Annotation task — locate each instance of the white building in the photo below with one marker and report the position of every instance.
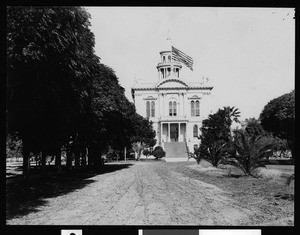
(172, 103)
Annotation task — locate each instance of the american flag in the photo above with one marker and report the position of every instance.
(181, 57)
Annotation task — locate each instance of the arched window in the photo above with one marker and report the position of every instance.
(152, 109)
(148, 108)
(164, 59)
(197, 108)
(169, 58)
(174, 108)
(192, 108)
(169, 71)
(195, 131)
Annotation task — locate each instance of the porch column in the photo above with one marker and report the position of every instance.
(183, 109)
(179, 138)
(169, 133)
(163, 105)
(161, 132)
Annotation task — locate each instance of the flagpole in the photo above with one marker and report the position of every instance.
(171, 62)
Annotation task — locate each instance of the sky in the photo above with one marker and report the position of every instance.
(248, 54)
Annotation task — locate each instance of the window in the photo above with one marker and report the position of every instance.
(152, 109)
(174, 108)
(148, 108)
(169, 58)
(170, 109)
(197, 108)
(164, 59)
(195, 131)
(192, 108)
(169, 71)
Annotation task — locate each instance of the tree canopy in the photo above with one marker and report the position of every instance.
(278, 117)
(58, 92)
(50, 61)
(217, 126)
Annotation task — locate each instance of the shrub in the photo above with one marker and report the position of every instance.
(196, 155)
(213, 152)
(251, 151)
(147, 152)
(158, 152)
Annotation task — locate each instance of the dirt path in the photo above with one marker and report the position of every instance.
(146, 193)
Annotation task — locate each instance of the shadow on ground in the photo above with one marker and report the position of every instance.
(24, 196)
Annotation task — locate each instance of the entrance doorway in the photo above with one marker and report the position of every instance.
(174, 132)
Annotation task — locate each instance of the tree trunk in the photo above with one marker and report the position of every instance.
(77, 158)
(90, 157)
(293, 151)
(291, 144)
(26, 158)
(97, 159)
(58, 160)
(69, 159)
(83, 157)
(43, 162)
(125, 153)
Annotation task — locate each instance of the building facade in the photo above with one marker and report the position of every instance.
(172, 104)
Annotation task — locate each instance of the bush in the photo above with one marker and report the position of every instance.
(159, 152)
(147, 152)
(213, 152)
(251, 151)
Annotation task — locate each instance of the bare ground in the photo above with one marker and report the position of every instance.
(160, 193)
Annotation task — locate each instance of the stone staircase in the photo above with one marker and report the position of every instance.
(175, 151)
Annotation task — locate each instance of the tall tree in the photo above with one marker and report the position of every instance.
(113, 119)
(216, 134)
(50, 64)
(217, 126)
(278, 117)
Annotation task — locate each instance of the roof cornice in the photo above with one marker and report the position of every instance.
(170, 88)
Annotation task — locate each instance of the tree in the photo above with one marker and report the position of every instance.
(143, 130)
(253, 127)
(251, 151)
(278, 117)
(232, 114)
(216, 134)
(138, 148)
(147, 152)
(50, 63)
(217, 126)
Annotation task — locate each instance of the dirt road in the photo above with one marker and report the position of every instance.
(146, 193)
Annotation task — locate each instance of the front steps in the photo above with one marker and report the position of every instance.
(176, 152)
